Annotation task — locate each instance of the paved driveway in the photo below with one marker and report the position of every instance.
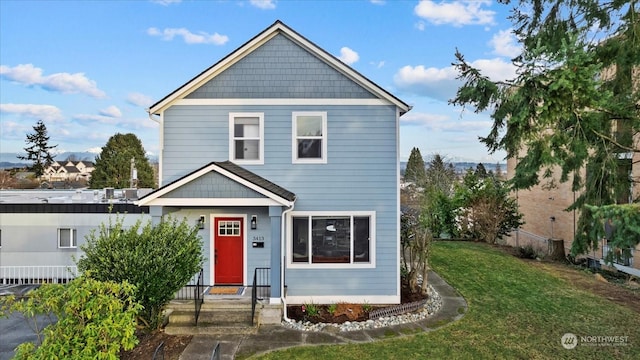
(15, 330)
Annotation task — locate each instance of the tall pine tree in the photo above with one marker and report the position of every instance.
(415, 170)
(39, 150)
(113, 165)
(576, 88)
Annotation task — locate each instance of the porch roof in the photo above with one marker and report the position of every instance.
(268, 193)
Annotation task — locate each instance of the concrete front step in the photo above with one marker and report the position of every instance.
(208, 317)
(210, 330)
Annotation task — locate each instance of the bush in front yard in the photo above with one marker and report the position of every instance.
(158, 260)
(91, 320)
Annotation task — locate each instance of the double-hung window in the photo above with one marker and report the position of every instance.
(309, 138)
(67, 238)
(246, 138)
(339, 239)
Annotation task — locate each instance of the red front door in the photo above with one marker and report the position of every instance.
(228, 251)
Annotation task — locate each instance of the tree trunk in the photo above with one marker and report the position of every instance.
(556, 249)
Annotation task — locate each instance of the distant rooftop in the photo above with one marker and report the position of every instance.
(73, 196)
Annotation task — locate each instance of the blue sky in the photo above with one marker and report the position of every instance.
(89, 69)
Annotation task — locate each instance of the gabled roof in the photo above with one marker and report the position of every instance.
(276, 28)
(274, 194)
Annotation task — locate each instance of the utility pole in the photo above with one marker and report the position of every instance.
(134, 174)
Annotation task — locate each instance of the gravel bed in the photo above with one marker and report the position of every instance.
(433, 304)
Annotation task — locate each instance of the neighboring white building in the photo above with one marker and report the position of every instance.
(41, 231)
(68, 171)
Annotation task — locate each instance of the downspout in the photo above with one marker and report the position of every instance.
(283, 263)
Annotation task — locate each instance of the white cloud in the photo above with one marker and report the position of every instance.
(348, 56)
(504, 43)
(496, 69)
(264, 4)
(35, 111)
(432, 82)
(139, 99)
(377, 2)
(190, 38)
(441, 83)
(99, 118)
(111, 111)
(66, 83)
(94, 150)
(166, 2)
(420, 25)
(443, 123)
(456, 13)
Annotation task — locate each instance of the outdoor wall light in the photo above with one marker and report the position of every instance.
(201, 222)
(254, 222)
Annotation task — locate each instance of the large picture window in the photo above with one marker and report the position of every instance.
(332, 238)
(309, 137)
(246, 138)
(66, 238)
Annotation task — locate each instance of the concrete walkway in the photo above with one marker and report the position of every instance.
(274, 337)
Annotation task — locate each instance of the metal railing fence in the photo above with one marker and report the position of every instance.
(260, 288)
(30, 275)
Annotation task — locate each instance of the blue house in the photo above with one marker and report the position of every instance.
(288, 158)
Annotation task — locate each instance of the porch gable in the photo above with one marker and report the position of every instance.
(219, 184)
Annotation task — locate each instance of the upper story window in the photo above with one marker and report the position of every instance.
(246, 138)
(67, 238)
(309, 138)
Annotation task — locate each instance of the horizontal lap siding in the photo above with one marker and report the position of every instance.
(39, 244)
(361, 175)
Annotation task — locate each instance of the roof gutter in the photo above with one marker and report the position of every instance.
(152, 118)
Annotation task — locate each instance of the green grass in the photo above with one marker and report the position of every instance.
(515, 311)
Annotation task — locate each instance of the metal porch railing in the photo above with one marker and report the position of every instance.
(198, 295)
(260, 288)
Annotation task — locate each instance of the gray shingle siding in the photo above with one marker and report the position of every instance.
(281, 69)
(213, 185)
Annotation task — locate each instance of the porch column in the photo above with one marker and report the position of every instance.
(275, 215)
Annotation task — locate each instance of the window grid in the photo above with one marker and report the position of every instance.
(229, 228)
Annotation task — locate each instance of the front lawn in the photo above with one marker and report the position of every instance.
(517, 309)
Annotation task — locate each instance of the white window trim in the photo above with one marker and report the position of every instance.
(232, 116)
(294, 138)
(372, 242)
(73, 242)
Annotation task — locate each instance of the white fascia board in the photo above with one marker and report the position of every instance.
(266, 102)
(212, 202)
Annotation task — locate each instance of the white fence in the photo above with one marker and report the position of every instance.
(27, 275)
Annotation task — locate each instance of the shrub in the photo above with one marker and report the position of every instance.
(311, 309)
(158, 260)
(527, 252)
(95, 320)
